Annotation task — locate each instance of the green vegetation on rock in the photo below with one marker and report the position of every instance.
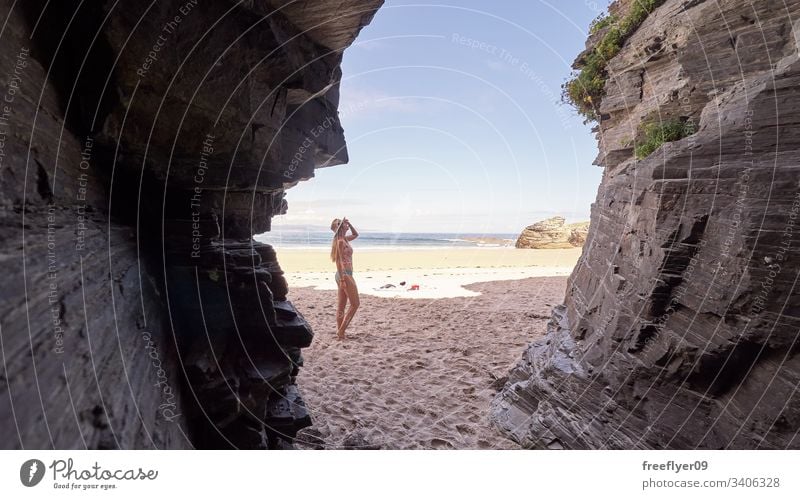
(585, 89)
(602, 21)
(657, 133)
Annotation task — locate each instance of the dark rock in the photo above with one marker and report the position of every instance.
(680, 319)
(130, 189)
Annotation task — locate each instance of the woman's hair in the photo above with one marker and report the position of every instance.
(335, 226)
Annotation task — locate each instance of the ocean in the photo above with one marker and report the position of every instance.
(387, 240)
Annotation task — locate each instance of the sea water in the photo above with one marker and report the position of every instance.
(303, 239)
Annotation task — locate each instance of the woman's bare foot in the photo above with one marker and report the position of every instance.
(340, 334)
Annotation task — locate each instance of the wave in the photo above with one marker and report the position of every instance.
(386, 241)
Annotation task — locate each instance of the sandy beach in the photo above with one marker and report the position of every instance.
(437, 273)
(420, 373)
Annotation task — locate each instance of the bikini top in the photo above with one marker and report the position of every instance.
(347, 254)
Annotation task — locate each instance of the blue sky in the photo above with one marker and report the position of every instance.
(453, 120)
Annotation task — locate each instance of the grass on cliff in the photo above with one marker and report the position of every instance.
(584, 90)
(657, 133)
(602, 21)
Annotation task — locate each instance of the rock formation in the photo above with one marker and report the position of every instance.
(553, 233)
(679, 327)
(141, 146)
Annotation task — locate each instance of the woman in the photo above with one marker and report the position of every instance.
(342, 255)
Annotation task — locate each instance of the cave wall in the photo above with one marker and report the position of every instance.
(142, 147)
(680, 323)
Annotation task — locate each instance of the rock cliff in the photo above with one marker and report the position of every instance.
(553, 233)
(679, 327)
(141, 146)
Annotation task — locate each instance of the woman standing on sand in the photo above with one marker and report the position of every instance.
(342, 255)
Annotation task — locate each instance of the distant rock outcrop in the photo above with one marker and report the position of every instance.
(553, 233)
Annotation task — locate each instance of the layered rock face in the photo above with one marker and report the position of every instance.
(553, 233)
(680, 324)
(142, 147)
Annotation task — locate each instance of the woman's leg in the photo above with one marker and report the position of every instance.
(352, 295)
(341, 303)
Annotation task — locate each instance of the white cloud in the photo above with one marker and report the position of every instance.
(369, 45)
(495, 65)
(358, 102)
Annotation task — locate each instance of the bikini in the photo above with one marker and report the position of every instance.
(338, 277)
(347, 259)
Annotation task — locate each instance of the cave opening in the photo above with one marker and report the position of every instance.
(456, 145)
(171, 171)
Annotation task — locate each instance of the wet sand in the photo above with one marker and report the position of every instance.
(426, 273)
(318, 260)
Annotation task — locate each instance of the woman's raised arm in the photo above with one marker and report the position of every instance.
(353, 231)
